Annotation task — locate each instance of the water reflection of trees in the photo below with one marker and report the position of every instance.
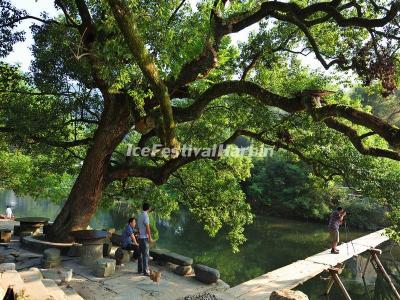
(27, 207)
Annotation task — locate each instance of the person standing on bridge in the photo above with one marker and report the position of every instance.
(335, 220)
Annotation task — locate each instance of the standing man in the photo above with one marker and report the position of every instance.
(128, 238)
(144, 240)
(335, 221)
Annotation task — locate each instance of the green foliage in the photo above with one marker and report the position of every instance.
(365, 213)
(59, 100)
(212, 194)
(282, 187)
(8, 34)
(26, 175)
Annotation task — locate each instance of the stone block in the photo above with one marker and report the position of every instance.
(287, 294)
(7, 267)
(123, 256)
(104, 267)
(5, 235)
(183, 270)
(178, 259)
(51, 253)
(206, 274)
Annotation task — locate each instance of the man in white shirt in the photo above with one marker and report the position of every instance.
(144, 240)
(9, 214)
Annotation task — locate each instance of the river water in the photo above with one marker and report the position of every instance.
(271, 243)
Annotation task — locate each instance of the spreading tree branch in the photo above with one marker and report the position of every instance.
(128, 27)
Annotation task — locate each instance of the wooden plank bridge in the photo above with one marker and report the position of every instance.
(290, 276)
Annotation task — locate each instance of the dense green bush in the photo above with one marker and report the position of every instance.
(364, 212)
(283, 187)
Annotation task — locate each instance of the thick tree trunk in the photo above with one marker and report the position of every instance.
(87, 190)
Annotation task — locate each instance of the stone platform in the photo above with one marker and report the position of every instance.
(124, 284)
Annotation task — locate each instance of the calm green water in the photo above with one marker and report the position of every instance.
(272, 243)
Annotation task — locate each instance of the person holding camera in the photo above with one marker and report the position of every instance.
(335, 220)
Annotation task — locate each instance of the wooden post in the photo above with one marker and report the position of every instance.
(380, 267)
(329, 286)
(339, 267)
(335, 276)
(366, 265)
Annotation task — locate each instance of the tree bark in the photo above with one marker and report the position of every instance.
(87, 190)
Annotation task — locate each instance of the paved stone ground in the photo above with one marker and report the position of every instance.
(124, 284)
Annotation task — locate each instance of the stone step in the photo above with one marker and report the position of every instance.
(34, 288)
(11, 278)
(53, 277)
(54, 290)
(70, 293)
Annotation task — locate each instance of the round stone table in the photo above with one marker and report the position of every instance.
(32, 224)
(92, 244)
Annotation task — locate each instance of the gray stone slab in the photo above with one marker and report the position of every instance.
(206, 274)
(158, 254)
(178, 259)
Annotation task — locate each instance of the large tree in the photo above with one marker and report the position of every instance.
(108, 73)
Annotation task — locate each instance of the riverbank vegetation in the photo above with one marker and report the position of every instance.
(282, 186)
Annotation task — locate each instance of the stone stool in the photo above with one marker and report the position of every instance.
(123, 256)
(92, 245)
(206, 274)
(104, 267)
(90, 253)
(183, 270)
(5, 235)
(51, 258)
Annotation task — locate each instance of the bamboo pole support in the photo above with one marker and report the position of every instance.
(329, 286)
(339, 268)
(335, 276)
(385, 275)
(366, 265)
